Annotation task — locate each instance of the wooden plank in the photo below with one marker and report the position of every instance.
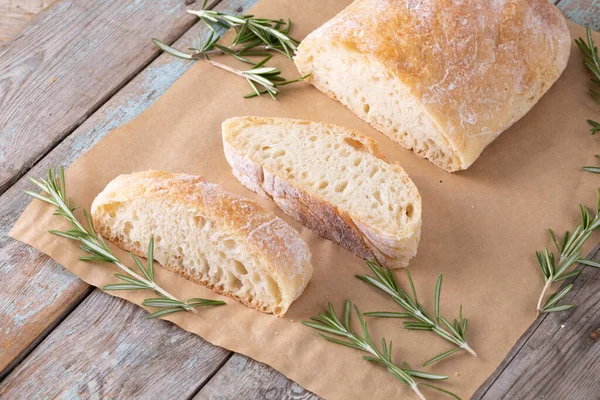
(15, 14)
(244, 378)
(583, 12)
(35, 292)
(555, 358)
(62, 67)
(108, 349)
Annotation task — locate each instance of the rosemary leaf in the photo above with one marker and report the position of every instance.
(420, 318)
(164, 311)
(54, 192)
(388, 314)
(124, 286)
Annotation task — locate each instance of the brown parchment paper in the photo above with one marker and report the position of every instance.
(481, 227)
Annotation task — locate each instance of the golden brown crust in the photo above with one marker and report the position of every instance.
(476, 67)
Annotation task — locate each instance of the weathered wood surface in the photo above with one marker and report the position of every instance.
(59, 70)
(244, 378)
(15, 14)
(583, 12)
(238, 374)
(35, 292)
(108, 349)
(556, 358)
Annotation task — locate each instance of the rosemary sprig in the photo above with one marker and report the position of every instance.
(93, 244)
(419, 317)
(251, 31)
(254, 37)
(592, 61)
(569, 254)
(344, 335)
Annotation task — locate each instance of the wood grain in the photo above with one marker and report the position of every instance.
(35, 292)
(15, 14)
(108, 349)
(555, 358)
(583, 12)
(61, 68)
(244, 378)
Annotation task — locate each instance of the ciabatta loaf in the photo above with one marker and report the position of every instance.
(332, 180)
(207, 235)
(441, 77)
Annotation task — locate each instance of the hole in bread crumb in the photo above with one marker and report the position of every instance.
(265, 148)
(341, 186)
(229, 244)
(221, 254)
(366, 108)
(323, 185)
(276, 310)
(279, 153)
(255, 278)
(112, 214)
(312, 138)
(239, 267)
(374, 170)
(377, 196)
(234, 282)
(409, 211)
(273, 289)
(157, 239)
(357, 162)
(134, 216)
(127, 228)
(199, 221)
(357, 145)
(218, 274)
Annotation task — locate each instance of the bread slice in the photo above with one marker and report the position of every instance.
(212, 237)
(332, 180)
(441, 77)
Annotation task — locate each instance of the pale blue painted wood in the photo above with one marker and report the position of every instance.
(34, 290)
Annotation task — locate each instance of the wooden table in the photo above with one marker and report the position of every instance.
(82, 68)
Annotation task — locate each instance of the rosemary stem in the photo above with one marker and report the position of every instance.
(233, 48)
(268, 85)
(227, 68)
(542, 295)
(468, 348)
(417, 391)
